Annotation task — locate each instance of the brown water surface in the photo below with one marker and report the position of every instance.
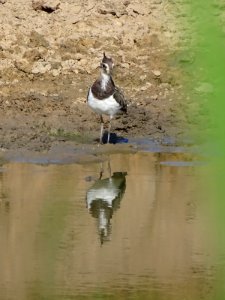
(68, 233)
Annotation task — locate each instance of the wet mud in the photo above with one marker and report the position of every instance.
(49, 58)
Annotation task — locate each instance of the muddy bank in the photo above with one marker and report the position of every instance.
(50, 51)
(70, 152)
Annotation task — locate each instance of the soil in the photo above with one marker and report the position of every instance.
(50, 53)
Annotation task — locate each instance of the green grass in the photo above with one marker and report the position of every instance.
(209, 67)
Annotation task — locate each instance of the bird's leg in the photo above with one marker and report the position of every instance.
(101, 130)
(101, 171)
(109, 168)
(109, 129)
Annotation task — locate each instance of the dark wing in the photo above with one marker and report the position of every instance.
(119, 97)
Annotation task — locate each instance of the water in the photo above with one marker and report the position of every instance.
(72, 232)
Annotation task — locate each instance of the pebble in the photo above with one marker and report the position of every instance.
(137, 8)
(68, 64)
(78, 56)
(125, 65)
(154, 97)
(157, 73)
(55, 72)
(40, 68)
(143, 77)
(143, 88)
(47, 5)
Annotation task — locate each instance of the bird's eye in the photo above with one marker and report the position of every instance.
(104, 66)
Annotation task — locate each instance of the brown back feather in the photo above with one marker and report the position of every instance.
(119, 97)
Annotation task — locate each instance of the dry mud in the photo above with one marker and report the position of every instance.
(50, 52)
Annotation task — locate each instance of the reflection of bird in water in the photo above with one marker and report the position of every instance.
(104, 197)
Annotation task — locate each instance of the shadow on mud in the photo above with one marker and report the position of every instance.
(113, 139)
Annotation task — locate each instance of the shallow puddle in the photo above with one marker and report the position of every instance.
(73, 232)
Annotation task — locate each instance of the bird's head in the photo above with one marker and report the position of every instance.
(106, 64)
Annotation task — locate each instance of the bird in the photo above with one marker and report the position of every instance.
(104, 97)
(103, 199)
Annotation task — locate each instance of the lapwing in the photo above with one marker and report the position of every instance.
(104, 97)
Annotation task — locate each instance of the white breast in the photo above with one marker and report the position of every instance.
(107, 106)
(104, 81)
(106, 194)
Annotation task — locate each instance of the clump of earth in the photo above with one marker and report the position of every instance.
(50, 52)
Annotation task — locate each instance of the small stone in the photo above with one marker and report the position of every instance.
(23, 65)
(55, 72)
(126, 2)
(40, 67)
(139, 9)
(125, 65)
(77, 9)
(78, 56)
(37, 4)
(110, 8)
(51, 5)
(48, 6)
(143, 77)
(154, 97)
(68, 64)
(32, 55)
(157, 73)
(143, 88)
(75, 19)
(83, 62)
(146, 86)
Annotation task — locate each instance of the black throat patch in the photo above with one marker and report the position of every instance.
(100, 93)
